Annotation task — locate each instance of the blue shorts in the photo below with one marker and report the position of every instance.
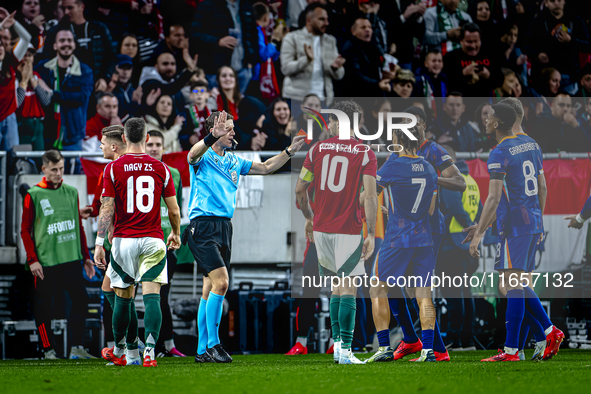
(392, 263)
(517, 253)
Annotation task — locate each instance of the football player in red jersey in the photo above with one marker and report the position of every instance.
(342, 167)
(133, 187)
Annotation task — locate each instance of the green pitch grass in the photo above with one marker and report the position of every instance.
(569, 372)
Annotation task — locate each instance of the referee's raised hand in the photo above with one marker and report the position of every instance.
(219, 125)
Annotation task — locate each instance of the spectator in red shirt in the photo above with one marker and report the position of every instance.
(107, 109)
(8, 103)
(32, 95)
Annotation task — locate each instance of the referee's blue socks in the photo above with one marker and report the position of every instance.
(214, 309)
(202, 326)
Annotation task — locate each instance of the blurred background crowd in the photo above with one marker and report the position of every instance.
(69, 68)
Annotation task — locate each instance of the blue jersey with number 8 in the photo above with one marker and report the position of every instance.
(516, 162)
(410, 182)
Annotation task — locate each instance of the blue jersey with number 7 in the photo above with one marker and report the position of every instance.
(410, 182)
(516, 162)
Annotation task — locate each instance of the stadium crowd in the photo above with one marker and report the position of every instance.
(72, 67)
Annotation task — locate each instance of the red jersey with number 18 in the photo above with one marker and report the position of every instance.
(338, 167)
(137, 182)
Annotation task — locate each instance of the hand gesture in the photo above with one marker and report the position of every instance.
(572, 224)
(100, 85)
(116, 120)
(26, 70)
(571, 120)
(99, 257)
(309, 230)
(219, 125)
(309, 51)
(368, 246)
(39, 21)
(297, 143)
(483, 73)
(470, 230)
(454, 34)
(445, 138)
(470, 69)
(338, 62)
(228, 42)
(85, 212)
(37, 270)
(385, 211)
(258, 141)
(7, 19)
(112, 83)
(411, 10)
(89, 268)
(137, 95)
(152, 97)
(475, 245)
(191, 61)
(179, 120)
(384, 84)
(173, 242)
(278, 33)
(563, 36)
(521, 60)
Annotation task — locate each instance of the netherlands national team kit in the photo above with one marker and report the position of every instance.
(517, 162)
(411, 182)
(438, 157)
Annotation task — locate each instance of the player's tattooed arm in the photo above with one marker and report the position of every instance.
(451, 179)
(106, 216)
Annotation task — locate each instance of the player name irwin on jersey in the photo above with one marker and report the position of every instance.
(137, 167)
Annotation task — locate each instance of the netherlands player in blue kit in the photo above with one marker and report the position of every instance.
(450, 179)
(513, 198)
(408, 245)
(548, 338)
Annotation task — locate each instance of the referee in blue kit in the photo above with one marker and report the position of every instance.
(215, 172)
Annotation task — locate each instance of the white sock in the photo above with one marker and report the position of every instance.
(133, 353)
(511, 350)
(303, 341)
(111, 344)
(119, 351)
(548, 330)
(346, 352)
(169, 345)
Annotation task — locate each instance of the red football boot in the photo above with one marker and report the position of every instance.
(442, 356)
(148, 362)
(330, 350)
(502, 356)
(108, 355)
(297, 349)
(404, 349)
(553, 341)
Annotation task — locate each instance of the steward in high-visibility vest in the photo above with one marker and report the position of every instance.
(55, 244)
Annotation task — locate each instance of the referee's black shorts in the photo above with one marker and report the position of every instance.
(210, 240)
